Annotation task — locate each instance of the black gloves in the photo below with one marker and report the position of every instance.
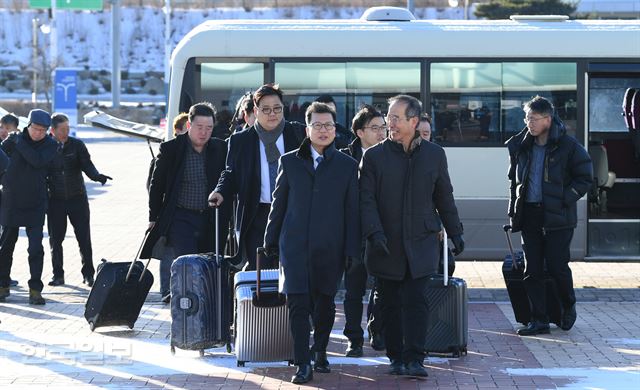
(378, 244)
(458, 243)
(103, 178)
(352, 264)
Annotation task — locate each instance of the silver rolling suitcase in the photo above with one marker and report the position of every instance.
(447, 325)
(262, 319)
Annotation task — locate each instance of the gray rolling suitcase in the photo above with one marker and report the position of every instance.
(199, 299)
(447, 325)
(262, 319)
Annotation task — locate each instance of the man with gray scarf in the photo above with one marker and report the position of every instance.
(252, 166)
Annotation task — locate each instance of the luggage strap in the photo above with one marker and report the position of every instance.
(126, 279)
(507, 231)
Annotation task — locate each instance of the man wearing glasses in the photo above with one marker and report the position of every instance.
(252, 166)
(549, 171)
(369, 128)
(404, 181)
(314, 226)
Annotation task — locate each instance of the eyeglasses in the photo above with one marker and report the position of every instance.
(377, 129)
(533, 120)
(269, 110)
(395, 119)
(329, 126)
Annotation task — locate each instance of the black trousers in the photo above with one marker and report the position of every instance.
(8, 240)
(323, 315)
(77, 211)
(355, 284)
(188, 232)
(550, 249)
(254, 237)
(405, 314)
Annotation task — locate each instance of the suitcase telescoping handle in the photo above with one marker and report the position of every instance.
(507, 231)
(445, 257)
(260, 253)
(126, 279)
(219, 264)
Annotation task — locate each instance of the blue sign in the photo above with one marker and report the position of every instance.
(65, 97)
(65, 90)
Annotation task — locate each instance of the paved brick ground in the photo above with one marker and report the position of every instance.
(52, 345)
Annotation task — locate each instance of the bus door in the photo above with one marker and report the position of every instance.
(614, 202)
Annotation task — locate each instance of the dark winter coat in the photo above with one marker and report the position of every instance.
(24, 185)
(567, 176)
(314, 220)
(399, 195)
(242, 174)
(166, 183)
(354, 149)
(65, 172)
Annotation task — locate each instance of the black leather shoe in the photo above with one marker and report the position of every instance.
(321, 364)
(88, 280)
(396, 368)
(415, 368)
(57, 281)
(354, 349)
(569, 318)
(534, 328)
(304, 374)
(13, 283)
(377, 342)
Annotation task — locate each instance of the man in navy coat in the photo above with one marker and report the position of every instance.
(24, 199)
(252, 165)
(314, 226)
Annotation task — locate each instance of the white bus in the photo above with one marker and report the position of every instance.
(472, 77)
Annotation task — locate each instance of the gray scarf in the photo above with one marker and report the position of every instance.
(269, 138)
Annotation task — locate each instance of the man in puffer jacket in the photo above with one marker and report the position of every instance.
(549, 171)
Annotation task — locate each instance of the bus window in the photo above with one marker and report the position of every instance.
(223, 83)
(351, 84)
(482, 102)
(605, 97)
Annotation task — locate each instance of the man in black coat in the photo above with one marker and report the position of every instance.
(187, 169)
(24, 199)
(549, 172)
(369, 128)
(403, 183)
(313, 225)
(68, 199)
(252, 165)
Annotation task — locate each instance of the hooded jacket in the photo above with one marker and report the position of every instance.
(567, 175)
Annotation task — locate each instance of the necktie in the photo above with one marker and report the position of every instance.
(319, 159)
(273, 173)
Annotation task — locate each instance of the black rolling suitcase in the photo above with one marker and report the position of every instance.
(118, 293)
(448, 324)
(513, 274)
(199, 301)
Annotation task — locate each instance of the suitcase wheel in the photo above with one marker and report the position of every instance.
(229, 348)
(240, 364)
(202, 353)
(131, 324)
(289, 362)
(173, 350)
(92, 326)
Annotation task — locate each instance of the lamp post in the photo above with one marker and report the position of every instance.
(37, 27)
(34, 26)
